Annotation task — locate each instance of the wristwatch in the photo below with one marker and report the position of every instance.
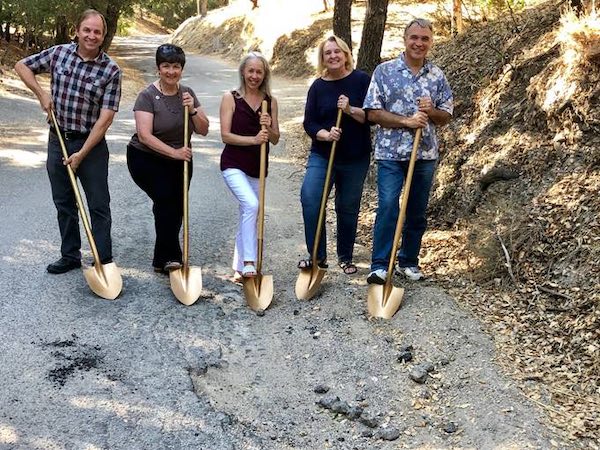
(194, 113)
(351, 110)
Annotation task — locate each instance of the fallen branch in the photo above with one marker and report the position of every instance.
(555, 293)
(507, 258)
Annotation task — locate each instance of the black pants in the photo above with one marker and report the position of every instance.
(93, 174)
(162, 180)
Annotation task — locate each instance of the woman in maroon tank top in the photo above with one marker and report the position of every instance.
(241, 123)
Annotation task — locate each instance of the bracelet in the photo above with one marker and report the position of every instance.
(194, 113)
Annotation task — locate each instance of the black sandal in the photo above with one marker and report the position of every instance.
(307, 264)
(348, 267)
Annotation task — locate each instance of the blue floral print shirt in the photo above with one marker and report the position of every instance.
(394, 88)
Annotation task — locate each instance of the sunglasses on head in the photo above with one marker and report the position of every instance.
(169, 49)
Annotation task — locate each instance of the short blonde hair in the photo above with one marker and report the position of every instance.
(321, 69)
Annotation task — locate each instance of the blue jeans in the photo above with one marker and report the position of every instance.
(390, 179)
(348, 178)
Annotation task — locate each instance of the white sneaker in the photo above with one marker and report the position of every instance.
(377, 276)
(412, 273)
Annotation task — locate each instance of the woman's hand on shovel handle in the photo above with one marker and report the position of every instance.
(261, 137)
(335, 134)
(265, 120)
(182, 154)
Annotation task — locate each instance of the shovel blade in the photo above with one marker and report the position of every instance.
(186, 284)
(258, 291)
(308, 283)
(104, 280)
(380, 306)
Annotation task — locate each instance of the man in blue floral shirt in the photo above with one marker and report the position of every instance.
(405, 94)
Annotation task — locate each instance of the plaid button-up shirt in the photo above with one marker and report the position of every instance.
(80, 89)
(394, 88)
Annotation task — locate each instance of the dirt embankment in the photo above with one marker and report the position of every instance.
(515, 209)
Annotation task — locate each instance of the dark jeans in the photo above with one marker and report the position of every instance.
(348, 179)
(162, 180)
(390, 179)
(93, 174)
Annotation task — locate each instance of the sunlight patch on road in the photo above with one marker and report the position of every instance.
(29, 252)
(23, 158)
(8, 434)
(151, 415)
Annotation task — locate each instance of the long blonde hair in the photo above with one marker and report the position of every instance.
(265, 86)
(321, 69)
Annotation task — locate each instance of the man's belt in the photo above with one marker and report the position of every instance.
(70, 135)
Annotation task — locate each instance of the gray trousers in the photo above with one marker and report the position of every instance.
(93, 175)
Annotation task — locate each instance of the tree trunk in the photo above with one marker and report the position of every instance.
(113, 11)
(203, 8)
(342, 10)
(457, 22)
(326, 5)
(369, 54)
(61, 30)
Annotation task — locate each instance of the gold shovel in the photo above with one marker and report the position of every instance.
(103, 279)
(309, 279)
(384, 300)
(258, 290)
(186, 282)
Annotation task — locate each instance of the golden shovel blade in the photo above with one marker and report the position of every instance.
(258, 291)
(309, 282)
(104, 280)
(379, 306)
(186, 284)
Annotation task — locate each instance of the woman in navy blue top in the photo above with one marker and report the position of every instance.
(338, 86)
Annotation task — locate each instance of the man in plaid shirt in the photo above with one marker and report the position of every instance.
(85, 94)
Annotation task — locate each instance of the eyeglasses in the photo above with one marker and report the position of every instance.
(169, 49)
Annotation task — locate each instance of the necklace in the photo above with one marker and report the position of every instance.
(173, 103)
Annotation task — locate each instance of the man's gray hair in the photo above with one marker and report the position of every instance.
(423, 23)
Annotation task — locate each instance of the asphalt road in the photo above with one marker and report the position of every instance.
(144, 372)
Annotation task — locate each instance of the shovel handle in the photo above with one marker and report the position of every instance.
(402, 216)
(84, 217)
(261, 196)
(317, 240)
(186, 185)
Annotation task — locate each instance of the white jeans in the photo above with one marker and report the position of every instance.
(245, 190)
